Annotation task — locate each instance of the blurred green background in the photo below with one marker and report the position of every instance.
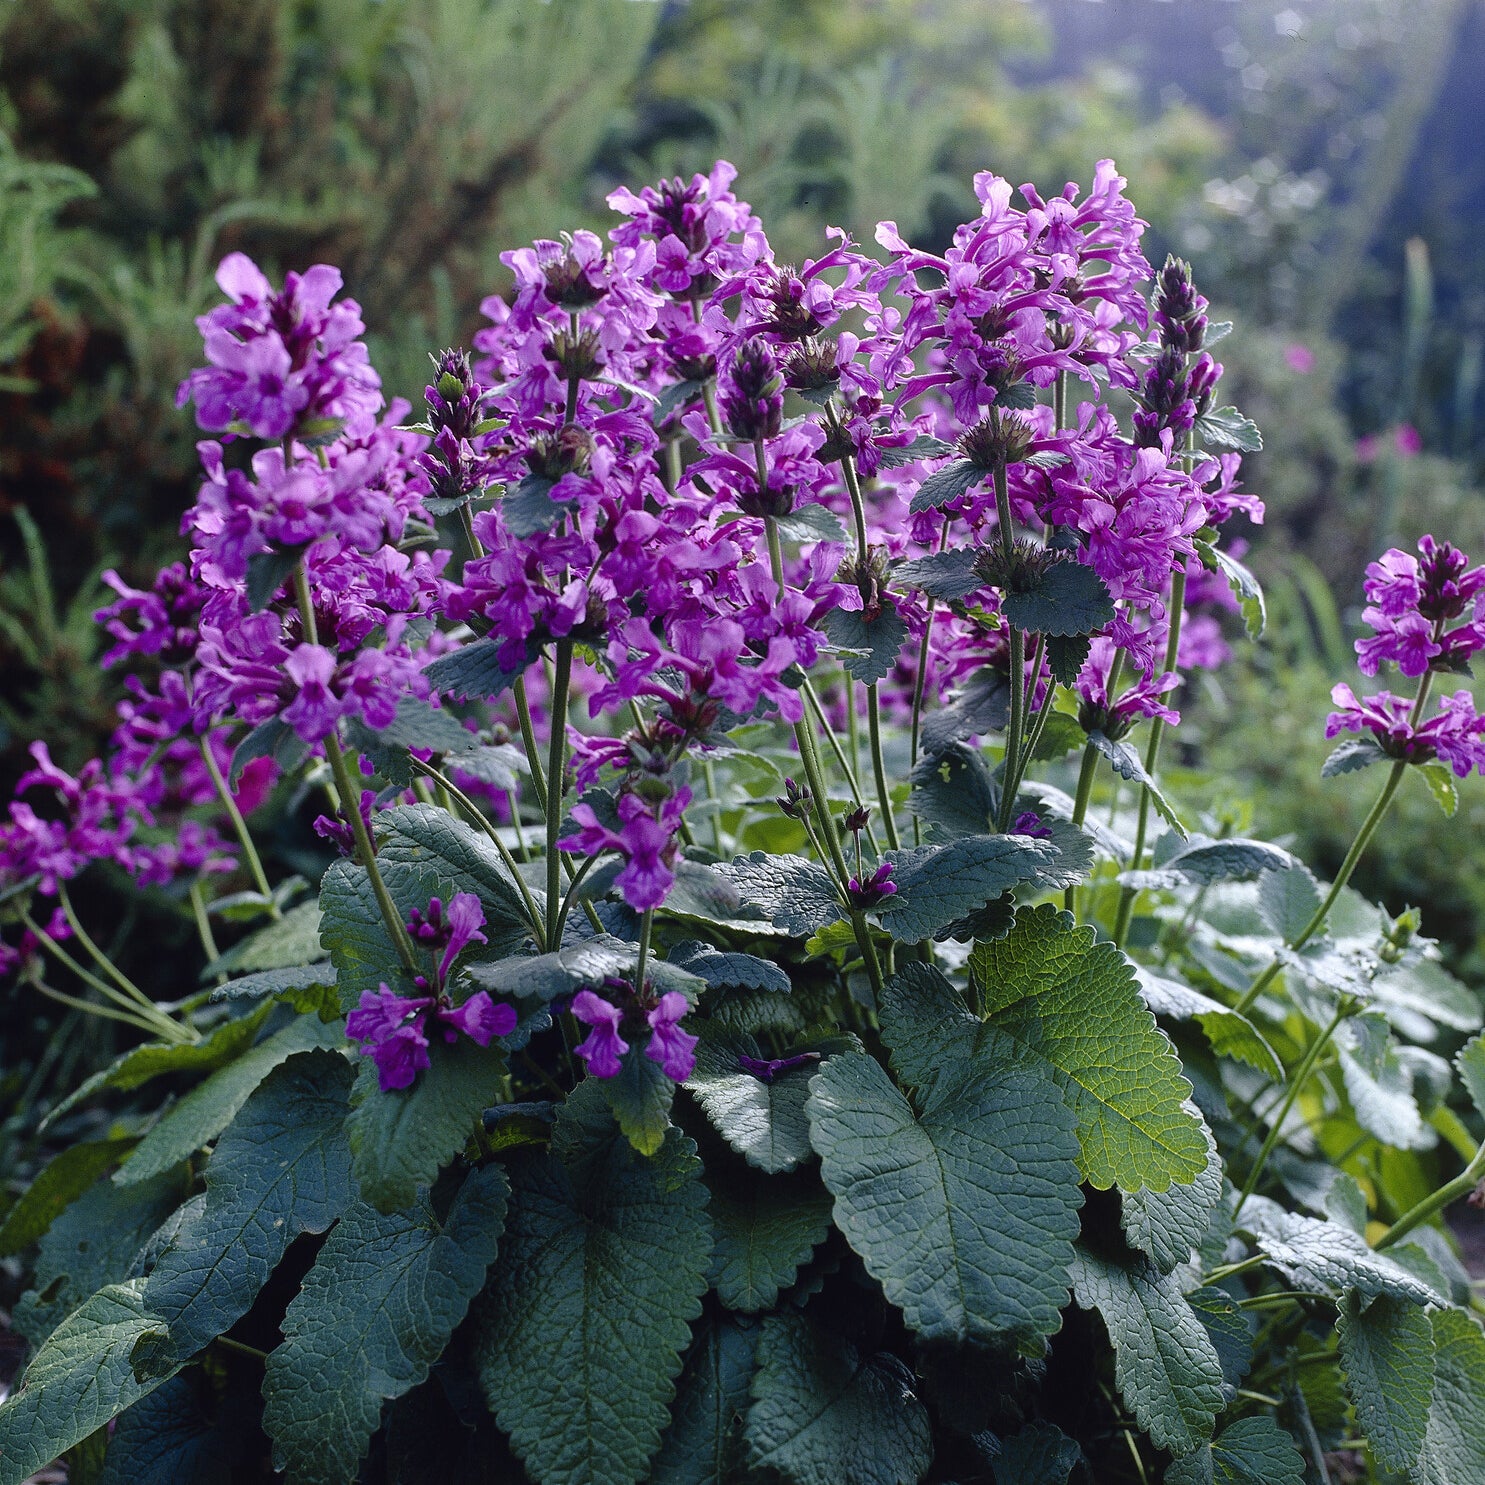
(1317, 160)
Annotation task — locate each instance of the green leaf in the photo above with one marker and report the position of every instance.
(947, 484)
(796, 895)
(708, 897)
(824, 1412)
(964, 1211)
(1287, 899)
(981, 705)
(1252, 1451)
(1067, 599)
(60, 1182)
(1425, 989)
(924, 446)
(1248, 591)
(211, 1106)
(1387, 1355)
(1041, 1454)
(1351, 755)
(1066, 656)
(942, 575)
(703, 1445)
(1440, 780)
(500, 765)
(1165, 1364)
(427, 838)
(1324, 1257)
(169, 1437)
(1454, 1445)
(376, 1311)
(267, 572)
(939, 884)
(94, 1242)
(291, 940)
(765, 1228)
(280, 984)
(879, 640)
(1206, 862)
(812, 523)
(416, 725)
(727, 970)
(545, 977)
(82, 1376)
(274, 739)
(1231, 1332)
(529, 508)
(639, 1097)
(1470, 1063)
(1227, 428)
(1229, 1033)
(1379, 1083)
(602, 1269)
(1071, 1005)
(954, 792)
(473, 672)
(1060, 736)
(1126, 763)
(401, 1137)
(281, 1168)
(1168, 1224)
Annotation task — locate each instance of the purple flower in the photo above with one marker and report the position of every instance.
(645, 838)
(1455, 734)
(479, 1018)
(875, 890)
(672, 1048)
(1412, 603)
(1028, 822)
(604, 1047)
(766, 1069)
(392, 1029)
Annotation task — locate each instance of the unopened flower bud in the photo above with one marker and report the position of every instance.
(753, 393)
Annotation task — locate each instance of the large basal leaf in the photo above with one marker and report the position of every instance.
(1206, 862)
(354, 933)
(1252, 1451)
(1454, 1444)
(61, 1181)
(292, 939)
(401, 1137)
(964, 1211)
(1230, 1034)
(281, 1168)
(601, 1272)
(82, 1376)
(703, 1445)
(1165, 1364)
(981, 705)
(1231, 1331)
(1072, 1005)
(180, 1435)
(1040, 1454)
(1287, 899)
(377, 1309)
(825, 1412)
(765, 1227)
(211, 1106)
(546, 977)
(721, 970)
(872, 645)
(1168, 1224)
(954, 792)
(1387, 1355)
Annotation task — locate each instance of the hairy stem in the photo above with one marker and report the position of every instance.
(556, 765)
(239, 827)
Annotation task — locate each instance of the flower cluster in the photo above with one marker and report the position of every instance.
(1413, 604)
(604, 1048)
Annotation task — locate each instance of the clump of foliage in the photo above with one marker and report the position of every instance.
(764, 1070)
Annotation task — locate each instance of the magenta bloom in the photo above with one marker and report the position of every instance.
(392, 1029)
(603, 1048)
(1455, 735)
(1411, 604)
(479, 1018)
(672, 1048)
(645, 838)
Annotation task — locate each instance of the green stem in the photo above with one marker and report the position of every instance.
(349, 796)
(646, 923)
(878, 766)
(556, 765)
(1038, 722)
(466, 520)
(570, 894)
(92, 1008)
(239, 827)
(478, 816)
(97, 955)
(1017, 639)
(813, 700)
(1461, 1185)
(203, 928)
(528, 739)
(1086, 770)
(1296, 1085)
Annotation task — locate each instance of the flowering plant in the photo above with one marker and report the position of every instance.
(717, 1048)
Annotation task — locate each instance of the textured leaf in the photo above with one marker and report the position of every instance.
(796, 895)
(924, 446)
(281, 1168)
(60, 1182)
(1353, 754)
(1208, 861)
(1287, 899)
(1041, 1454)
(95, 1242)
(939, 884)
(278, 983)
(812, 523)
(1470, 1062)
(1066, 656)
(954, 792)
(82, 1376)
(602, 1269)
(824, 1413)
(708, 896)
(763, 1119)
(1227, 428)
(376, 1311)
(1425, 989)
(726, 970)
(1168, 1224)
(529, 507)
(416, 725)
(168, 1438)
(982, 704)
(965, 1212)
(1165, 1363)
(1127, 765)
(290, 940)
(1252, 1451)
(1454, 1445)
(1071, 1005)
(1387, 1355)
(400, 1139)
(703, 1445)
(943, 575)
(211, 1106)
(353, 931)
(881, 639)
(274, 739)
(500, 765)
(1379, 1083)
(765, 1227)
(1069, 598)
(1230, 1034)
(1231, 1331)
(473, 672)
(947, 484)
(545, 977)
(1324, 1257)
(1440, 780)
(640, 1097)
